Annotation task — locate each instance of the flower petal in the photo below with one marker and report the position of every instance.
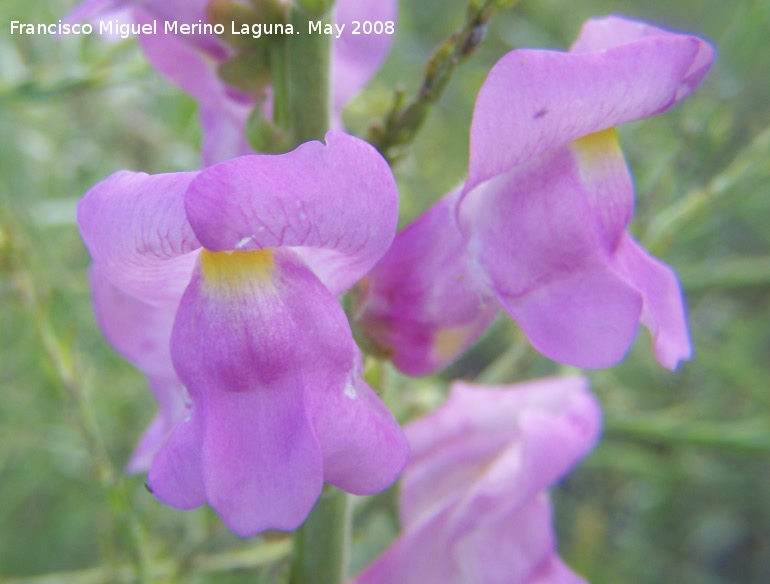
(149, 445)
(604, 33)
(586, 320)
(141, 333)
(515, 548)
(364, 449)
(176, 473)
(545, 235)
(557, 426)
(534, 101)
(419, 556)
(336, 203)
(136, 230)
(422, 303)
(438, 478)
(511, 548)
(663, 311)
(532, 432)
(185, 65)
(170, 396)
(262, 462)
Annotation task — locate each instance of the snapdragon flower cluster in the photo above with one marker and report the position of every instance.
(221, 286)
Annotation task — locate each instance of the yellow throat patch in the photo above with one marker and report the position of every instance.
(232, 271)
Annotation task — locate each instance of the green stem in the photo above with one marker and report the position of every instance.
(309, 92)
(321, 544)
(404, 120)
(508, 365)
(264, 554)
(747, 435)
(725, 274)
(281, 116)
(749, 164)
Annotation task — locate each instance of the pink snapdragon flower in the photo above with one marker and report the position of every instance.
(190, 62)
(240, 265)
(539, 227)
(474, 504)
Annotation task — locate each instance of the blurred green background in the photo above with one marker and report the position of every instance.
(678, 490)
